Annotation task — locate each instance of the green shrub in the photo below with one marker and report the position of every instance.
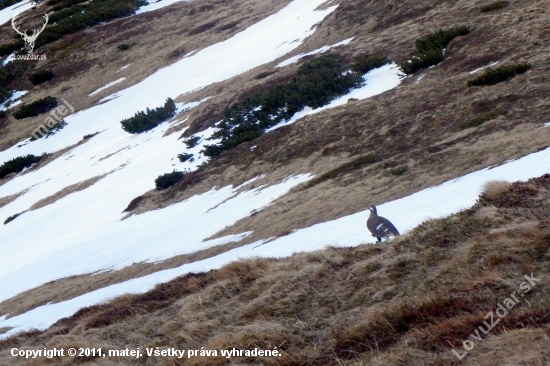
(16, 165)
(440, 39)
(264, 74)
(41, 77)
(168, 180)
(124, 47)
(430, 49)
(7, 3)
(192, 141)
(62, 13)
(497, 5)
(356, 163)
(317, 82)
(73, 20)
(422, 61)
(499, 74)
(5, 94)
(151, 118)
(13, 70)
(3, 114)
(51, 131)
(9, 48)
(228, 26)
(399, 170)
(474, 122)
(35, 108)
(13, 217)
(184, 157)
(364, 64)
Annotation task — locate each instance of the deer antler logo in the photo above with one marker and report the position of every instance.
(29, 40)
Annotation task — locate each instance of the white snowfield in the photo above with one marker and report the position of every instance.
(7, 13)
(405, 213)
(82, 233)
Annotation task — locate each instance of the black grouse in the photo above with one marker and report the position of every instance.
(380, 227)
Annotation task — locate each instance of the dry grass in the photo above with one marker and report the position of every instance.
(9, 199)
(429, 114)
(495, 188)
(408, 301)
(66, 191)
(295, 304)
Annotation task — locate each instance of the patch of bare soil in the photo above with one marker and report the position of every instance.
(408, 301)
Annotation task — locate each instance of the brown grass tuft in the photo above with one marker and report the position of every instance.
(495, 188)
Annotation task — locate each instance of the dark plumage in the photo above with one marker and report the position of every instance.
(380, 227)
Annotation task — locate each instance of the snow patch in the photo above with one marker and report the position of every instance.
(377, 81)
(106, 86)
(319, 50)
(484, 67)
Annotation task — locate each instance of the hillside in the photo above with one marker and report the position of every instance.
(409, 301)
(199, 133)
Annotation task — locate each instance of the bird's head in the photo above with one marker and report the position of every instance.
(372, 209)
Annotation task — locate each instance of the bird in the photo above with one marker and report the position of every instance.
(380, 227)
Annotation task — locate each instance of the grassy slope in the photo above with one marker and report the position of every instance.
(414, 125)
(396, 303)
(417, 125)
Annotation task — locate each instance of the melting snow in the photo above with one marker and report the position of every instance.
(7, 13)
(319, 50)
(405, 213)
(122, 68)
(377, 81)
(12, 101)
(155, 5)
(83, 232)
(484, 67)
(107, 86)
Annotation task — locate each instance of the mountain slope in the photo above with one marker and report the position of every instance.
(86, 222)
(412, 300)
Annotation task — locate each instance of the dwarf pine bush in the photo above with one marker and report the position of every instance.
(482, 118)
(35, 108)
(184, 157)
(41, 77)
(168, 180)
(72, 16)
(124, 47)
(430, 49)
(13, 70)
(364, 64)
(192, 141)
(151, 118)
(317, 82)
(8, 48)
(13, 217)
(499, 74)
(16, 165)
(497, 5)
(7, 3)
(5, 94)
